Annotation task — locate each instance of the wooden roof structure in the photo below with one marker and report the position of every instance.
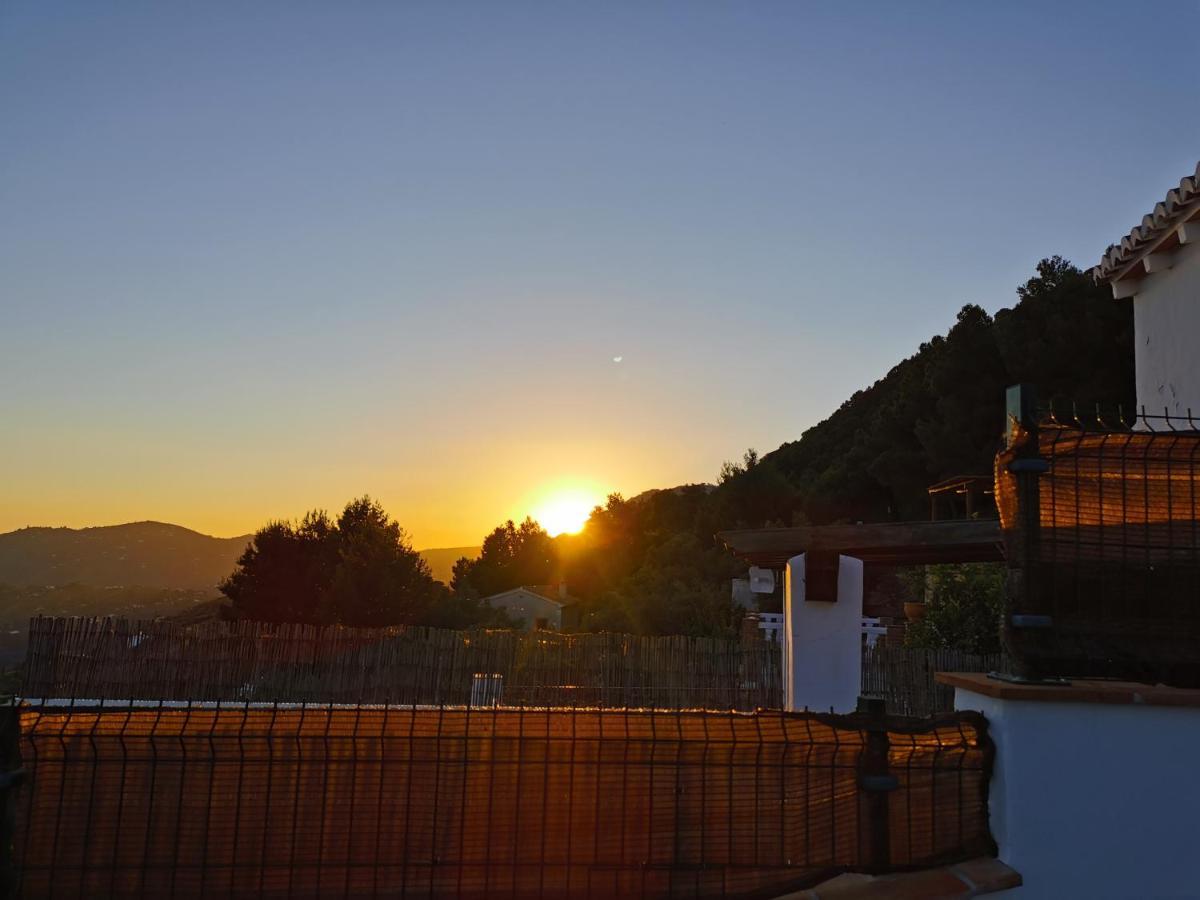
(891, 543)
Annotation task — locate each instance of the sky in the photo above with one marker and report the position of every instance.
(466, 258)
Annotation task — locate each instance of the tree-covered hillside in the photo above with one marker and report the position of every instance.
(940, 412)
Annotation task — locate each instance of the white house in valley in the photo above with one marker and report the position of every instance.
(1157, 265)
(540, 607)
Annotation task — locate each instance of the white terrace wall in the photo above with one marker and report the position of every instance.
(1094, 800)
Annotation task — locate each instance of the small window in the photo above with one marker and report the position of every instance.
(541, 624)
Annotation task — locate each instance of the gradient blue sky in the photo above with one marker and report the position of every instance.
(263, 257)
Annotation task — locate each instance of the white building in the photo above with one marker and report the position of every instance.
(540, 607)
(1157, 265)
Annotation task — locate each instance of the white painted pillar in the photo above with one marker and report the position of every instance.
(822, 642)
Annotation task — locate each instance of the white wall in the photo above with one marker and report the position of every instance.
(1094, 800)
(822, 647)
(1166, 323)
(528, 606)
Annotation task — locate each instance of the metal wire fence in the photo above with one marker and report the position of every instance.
(157, 799)
(1102, 523)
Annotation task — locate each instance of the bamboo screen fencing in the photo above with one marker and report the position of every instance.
(280, 800)
(903, 677)
(116, 659)
(119, 659)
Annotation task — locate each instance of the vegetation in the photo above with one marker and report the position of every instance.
(150, 554)
(939, 413)
(358, 570)
(511, 556)
(964, 605)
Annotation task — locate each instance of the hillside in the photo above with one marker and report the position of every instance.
(151, 554)
(147, 554)
(941, 411)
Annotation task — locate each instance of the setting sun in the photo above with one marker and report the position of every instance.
(565, 512)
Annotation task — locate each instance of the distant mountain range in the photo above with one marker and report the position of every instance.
(146, 554)
(442, 559)
(150, 554)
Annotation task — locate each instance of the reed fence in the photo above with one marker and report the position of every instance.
(903, 676)
(105, 659)
(115, 659)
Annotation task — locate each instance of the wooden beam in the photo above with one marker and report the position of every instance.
(1123, 290)
(898, 543)
(821, 577)
(1158, 262)
(1189, 232)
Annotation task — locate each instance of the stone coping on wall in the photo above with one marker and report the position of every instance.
(1083, 690)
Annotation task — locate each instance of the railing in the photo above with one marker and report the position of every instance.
(1102, 528)
(153, 799)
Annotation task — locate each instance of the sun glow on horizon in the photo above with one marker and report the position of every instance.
(564, 512)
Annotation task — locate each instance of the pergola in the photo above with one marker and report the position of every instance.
(888, 544)
(892, 543)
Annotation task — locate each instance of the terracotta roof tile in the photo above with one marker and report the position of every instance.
(1178, 206)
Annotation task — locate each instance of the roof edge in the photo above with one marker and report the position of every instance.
(1121, 259)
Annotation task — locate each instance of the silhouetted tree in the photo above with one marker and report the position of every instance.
(360, 570)
(511, 556)
(286, 572)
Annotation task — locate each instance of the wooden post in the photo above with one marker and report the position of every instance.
(876, 781)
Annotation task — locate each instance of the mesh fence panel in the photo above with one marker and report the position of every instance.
(1116, 551)
(277, 800)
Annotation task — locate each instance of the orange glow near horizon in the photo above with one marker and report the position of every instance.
(443, 492)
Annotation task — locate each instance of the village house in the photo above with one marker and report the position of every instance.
(539, 607)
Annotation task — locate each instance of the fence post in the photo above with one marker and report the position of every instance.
(876, 781)
(12, 776)
(1022, 617)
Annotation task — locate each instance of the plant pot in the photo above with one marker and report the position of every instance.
(914, 612)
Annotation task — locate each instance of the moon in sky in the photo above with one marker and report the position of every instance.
(618, 358)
